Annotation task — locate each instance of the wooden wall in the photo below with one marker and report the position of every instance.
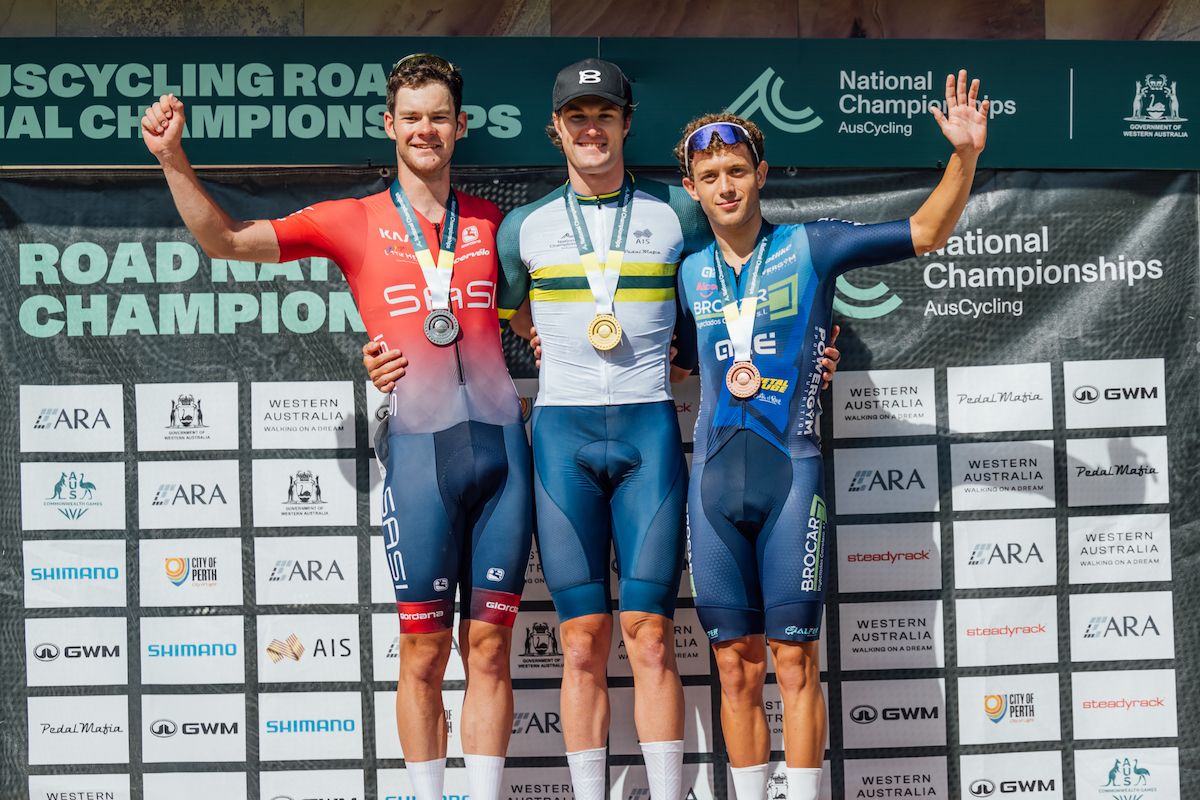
(903, 19)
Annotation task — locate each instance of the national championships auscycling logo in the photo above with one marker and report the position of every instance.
(870, 303)
(763, 95)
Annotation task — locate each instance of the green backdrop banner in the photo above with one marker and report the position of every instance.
(823, 103)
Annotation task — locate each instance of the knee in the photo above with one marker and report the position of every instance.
(648, 644)
(423, 656)
(796, 669)
(487, 656)
(742, 674)
(585, 648)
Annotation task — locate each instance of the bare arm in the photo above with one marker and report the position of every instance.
(218, 234)
(965, 127)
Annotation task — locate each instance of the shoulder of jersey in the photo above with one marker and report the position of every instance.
(480, 208)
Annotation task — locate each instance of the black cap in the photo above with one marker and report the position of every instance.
(592, 77)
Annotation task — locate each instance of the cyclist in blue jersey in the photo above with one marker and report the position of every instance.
(761, 299)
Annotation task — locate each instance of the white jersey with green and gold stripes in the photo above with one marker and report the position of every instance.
(539, 259)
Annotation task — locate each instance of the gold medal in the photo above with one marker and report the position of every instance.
(604, 332)
(743, 380)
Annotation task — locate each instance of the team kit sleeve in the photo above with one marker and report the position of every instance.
(839, 246)
(512, 279)
(687, 357)
(697, 233)
(334, 229)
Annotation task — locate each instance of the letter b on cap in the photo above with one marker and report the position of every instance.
(589, 76)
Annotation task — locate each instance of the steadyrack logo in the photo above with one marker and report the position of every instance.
(764, 95)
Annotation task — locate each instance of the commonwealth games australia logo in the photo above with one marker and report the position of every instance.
(763, 95)
(72, 495)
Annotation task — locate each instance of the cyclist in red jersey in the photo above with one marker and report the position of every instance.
(420, 260)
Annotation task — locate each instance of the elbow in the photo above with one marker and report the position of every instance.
(926, 240)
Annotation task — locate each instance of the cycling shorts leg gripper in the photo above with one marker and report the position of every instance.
(573, 516)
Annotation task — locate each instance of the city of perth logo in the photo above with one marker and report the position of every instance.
(1128, 781)
(1156, 112)
(541, 645)
(73, 494)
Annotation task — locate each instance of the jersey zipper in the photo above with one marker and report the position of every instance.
(437, 237)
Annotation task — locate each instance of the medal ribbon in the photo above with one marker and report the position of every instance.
(602, 282)
(437, 276)
(739, 315)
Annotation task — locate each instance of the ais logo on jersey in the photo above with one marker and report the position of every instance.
(408, 299)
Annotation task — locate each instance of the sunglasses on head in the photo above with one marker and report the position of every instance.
(428, 58)
(728, 132)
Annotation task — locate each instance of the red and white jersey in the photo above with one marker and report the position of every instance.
(365, 237)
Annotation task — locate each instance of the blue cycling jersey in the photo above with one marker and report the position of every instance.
(791, 327)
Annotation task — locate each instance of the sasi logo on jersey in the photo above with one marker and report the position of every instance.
(186, 413)
(73, 494)
(304, 488)
(764, 95)
(408, 298)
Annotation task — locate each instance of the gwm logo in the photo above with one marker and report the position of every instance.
(763, 95)
(870, 303)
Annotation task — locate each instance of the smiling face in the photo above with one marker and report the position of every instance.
(593, 132)
(727, 184)
(425, 127)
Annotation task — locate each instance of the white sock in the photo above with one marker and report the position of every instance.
(803, 784)
(428, 778)
(483, 776)
(664, 768)
(587, 773)
(750, 783)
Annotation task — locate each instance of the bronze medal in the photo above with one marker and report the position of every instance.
(743, 380)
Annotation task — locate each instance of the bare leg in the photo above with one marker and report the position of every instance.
(657, 691)
(488, 705)
(798, 671)
(584, 700)
(420, 716)
(742, 665)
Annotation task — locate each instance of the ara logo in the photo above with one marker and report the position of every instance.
(867, 480)
(541, 641)
(74, 419)
(310, 570)
(73, 494)
(196, 494)
(764, 96)
(186, 412)
(304, 488)
(869, 303)
(1129, 625)
(536, 722)
(987, 553)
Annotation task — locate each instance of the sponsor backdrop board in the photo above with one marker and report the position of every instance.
(1008, 455)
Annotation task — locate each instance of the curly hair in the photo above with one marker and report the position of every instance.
(717, 144)
(415, 71)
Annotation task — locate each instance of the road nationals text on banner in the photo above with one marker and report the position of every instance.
(827, 103)
(196, 603)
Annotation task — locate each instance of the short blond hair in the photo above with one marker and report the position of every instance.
(717, 144)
